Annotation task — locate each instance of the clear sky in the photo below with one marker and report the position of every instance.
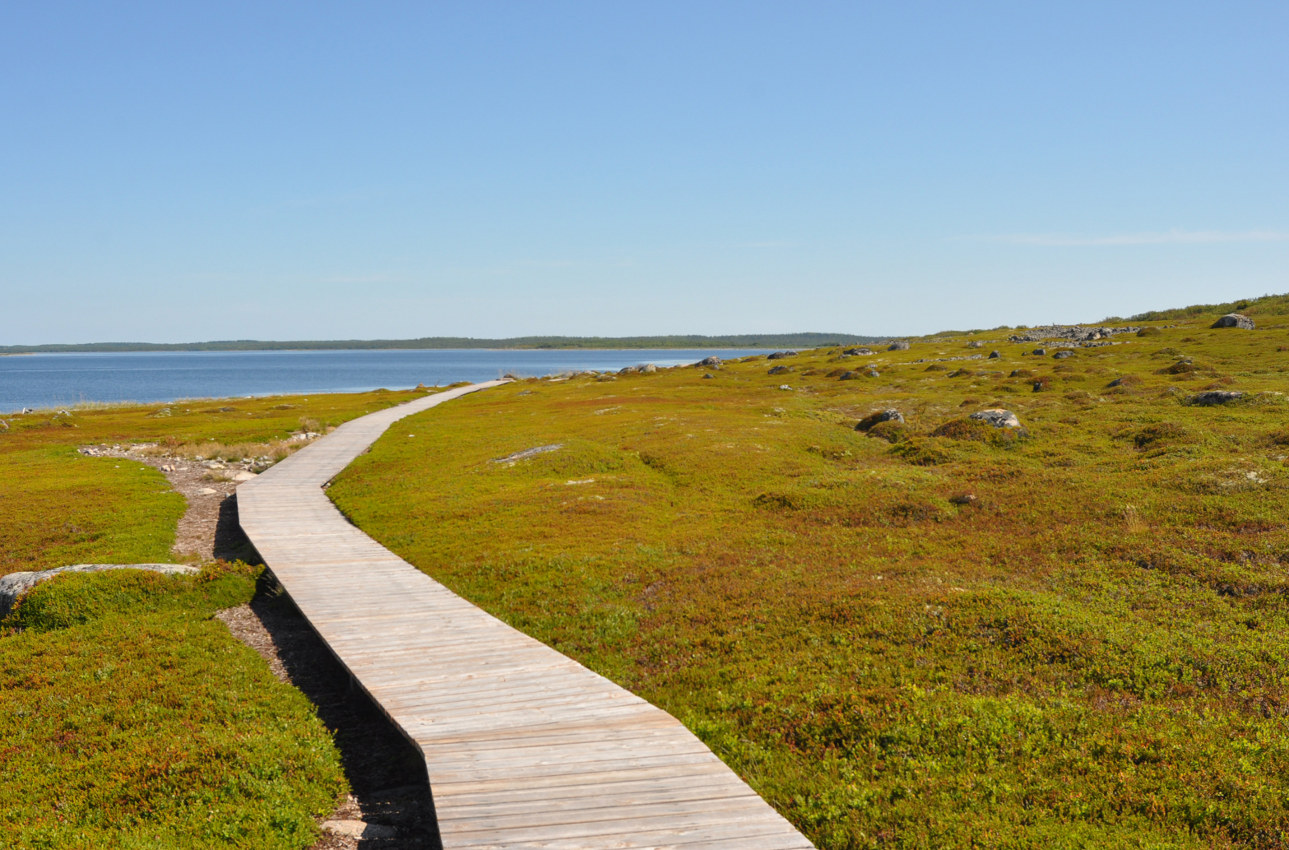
(184, 171)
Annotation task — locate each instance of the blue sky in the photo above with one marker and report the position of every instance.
(176, 171)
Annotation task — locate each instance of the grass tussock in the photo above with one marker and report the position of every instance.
(132, 718)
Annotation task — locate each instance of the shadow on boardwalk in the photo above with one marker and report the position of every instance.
(386, 774)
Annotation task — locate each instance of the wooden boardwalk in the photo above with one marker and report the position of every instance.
(524, 747)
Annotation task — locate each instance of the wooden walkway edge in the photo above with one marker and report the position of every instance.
(524, 747)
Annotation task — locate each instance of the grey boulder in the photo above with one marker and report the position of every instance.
(1234, 320)
(1213, 397)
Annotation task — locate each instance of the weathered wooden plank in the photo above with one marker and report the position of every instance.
(525, 748)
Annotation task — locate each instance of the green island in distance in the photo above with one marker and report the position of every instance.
(789, 340)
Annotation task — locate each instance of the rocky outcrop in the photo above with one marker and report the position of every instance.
(15, 585)
(1234, 320)
(779, 355)
(898, 346)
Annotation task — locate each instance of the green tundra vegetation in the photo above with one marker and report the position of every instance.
(928, 634)
(129, 717)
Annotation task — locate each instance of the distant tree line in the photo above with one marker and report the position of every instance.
(793, 340)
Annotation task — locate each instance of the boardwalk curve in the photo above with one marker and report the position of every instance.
(524, 747)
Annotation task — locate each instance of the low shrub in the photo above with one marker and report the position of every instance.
(919, 451)
(1162, 434)
(974, 430)
(891, 432)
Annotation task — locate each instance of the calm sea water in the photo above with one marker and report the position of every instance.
(55, 380)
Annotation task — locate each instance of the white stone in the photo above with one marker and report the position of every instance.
(359, 829)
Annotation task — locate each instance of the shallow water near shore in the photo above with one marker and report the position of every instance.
(60, 380)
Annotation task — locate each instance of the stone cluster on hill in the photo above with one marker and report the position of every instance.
(1074, 333)
(997, 417)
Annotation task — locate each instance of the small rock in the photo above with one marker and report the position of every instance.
(995, 355)
(779, 370)
(207, 491)
(1039, 352)
(1061, 355)
(873, 373)
(898, 346)
(849, 375)
(890, 414)
(785, 387)
(1234, 320)
(360, 829)
(647, 369)
(708, 376)
(244, 476)
(527, 453)
(997, 417)
(1215, 397)
(858, 352)
(712, 362)
(975, 343)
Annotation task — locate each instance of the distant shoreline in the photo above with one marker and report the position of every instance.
(535, 343)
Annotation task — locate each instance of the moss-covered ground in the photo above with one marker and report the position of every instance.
(928, 635)
(129, 717)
